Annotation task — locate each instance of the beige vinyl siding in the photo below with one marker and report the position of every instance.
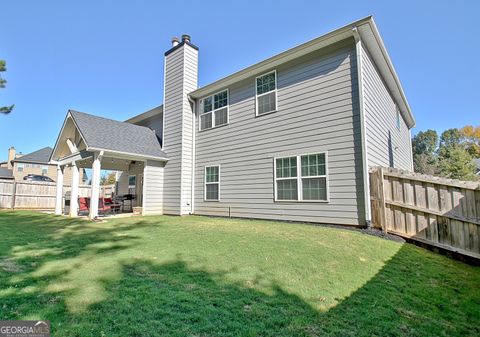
(318, 111)
(381, 121)
(153, 188)
(180, 78)
(122, 184)
(52, 173)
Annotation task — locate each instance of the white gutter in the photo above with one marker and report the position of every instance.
(366, 176)
(194, 123)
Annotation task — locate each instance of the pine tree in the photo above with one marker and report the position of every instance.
(4, 109)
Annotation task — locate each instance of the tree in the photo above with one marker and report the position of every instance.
(454, 160)
(108, 179)
(471, 136)
(4, 109)
(450, 138)
(456, 163)
(424, 146)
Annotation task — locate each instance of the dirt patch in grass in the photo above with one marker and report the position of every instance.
(10, 266)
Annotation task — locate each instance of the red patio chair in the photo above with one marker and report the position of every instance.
(103, 207)
(83, 205)
(113, 205)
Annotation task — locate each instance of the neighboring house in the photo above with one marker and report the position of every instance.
(289, 138)
(37, 162)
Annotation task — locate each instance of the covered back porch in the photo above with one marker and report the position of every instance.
(97, 143)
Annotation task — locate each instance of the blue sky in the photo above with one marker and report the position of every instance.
(106, 57)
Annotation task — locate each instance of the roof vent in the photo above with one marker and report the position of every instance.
(186, 38)
(175, 41)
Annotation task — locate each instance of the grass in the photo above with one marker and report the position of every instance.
(199, 276)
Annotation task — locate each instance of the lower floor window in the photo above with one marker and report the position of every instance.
(301, 178)
(212, 183)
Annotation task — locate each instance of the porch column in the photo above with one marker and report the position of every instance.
(74, 192)
(96, 168)
(59, 195)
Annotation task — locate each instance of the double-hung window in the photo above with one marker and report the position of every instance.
(301, 178)
(20, 167)
(214, 110)
(212, 183)
(266, 93)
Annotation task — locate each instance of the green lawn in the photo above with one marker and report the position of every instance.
(200, 276)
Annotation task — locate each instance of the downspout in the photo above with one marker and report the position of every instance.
(192, 202)
(366, 176)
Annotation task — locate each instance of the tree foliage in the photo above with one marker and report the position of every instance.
(471, 136)
(450, 155)
(108, 179)
(4, 109)
(424, 145)
(456, 163)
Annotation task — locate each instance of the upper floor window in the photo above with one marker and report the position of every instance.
(301, 178)
(44, 169)
(214, 110)
(20, 167)
(266, 93)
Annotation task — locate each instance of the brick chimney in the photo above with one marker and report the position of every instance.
(11, 156)
(181, 78)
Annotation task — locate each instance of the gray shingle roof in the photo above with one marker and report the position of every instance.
(107, 134)
(6, 173)
(41, 156)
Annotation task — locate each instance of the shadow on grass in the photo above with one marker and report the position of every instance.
(407, 297)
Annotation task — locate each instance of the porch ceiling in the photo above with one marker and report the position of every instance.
(111, 163)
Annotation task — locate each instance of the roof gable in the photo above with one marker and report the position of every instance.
(103, 134)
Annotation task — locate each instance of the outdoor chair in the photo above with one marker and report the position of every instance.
(103, 208)
(83, 205)
(113, 205)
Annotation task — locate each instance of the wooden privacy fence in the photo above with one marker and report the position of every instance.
(38, 195)
(441, 212)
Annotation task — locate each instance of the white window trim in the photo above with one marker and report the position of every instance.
(210, 183)
(299, 178)
(265, 93)
(20, 166)
(132, 186)
(200, 113)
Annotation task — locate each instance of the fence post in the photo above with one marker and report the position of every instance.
(383, 216)
(14, 191)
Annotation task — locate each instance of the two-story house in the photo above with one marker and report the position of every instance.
(289, 138)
